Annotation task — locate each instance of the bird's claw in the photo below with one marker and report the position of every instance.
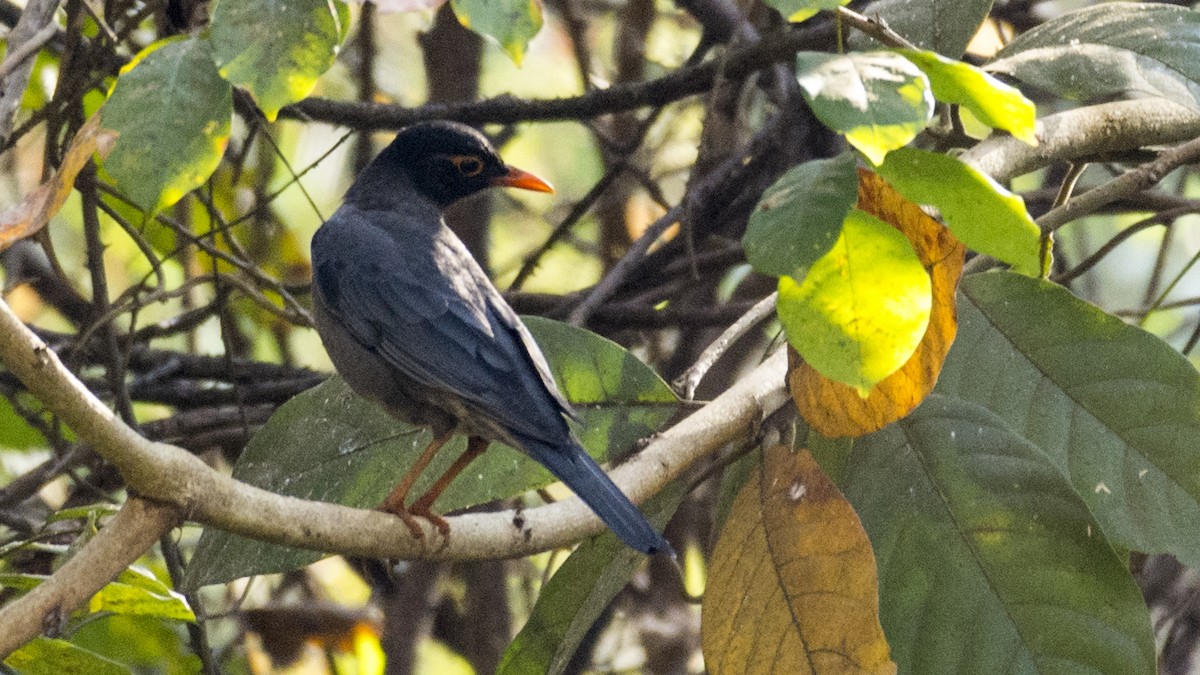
(409, 517)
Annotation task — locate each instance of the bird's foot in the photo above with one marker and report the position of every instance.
(410, 516)
(422, 508)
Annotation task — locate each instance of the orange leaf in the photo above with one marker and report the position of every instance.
(835, 409)
(39, 206)
(792, 587)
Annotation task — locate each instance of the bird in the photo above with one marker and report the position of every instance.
(412, 322)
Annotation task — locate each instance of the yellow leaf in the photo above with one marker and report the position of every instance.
(39, 206)
(793, 587)
(835, 409)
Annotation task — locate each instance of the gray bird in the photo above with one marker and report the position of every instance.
(411, 322)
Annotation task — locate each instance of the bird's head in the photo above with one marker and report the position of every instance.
(447, 161)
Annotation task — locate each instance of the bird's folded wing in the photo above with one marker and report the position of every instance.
(401, 306)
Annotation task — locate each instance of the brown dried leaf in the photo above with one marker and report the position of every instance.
(39, 206)
(835, 409)
(793, 587)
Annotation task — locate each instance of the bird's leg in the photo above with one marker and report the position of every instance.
(394, 503)
(422, 507)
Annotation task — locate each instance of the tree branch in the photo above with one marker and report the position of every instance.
(509, 109)
(173, 476)
(1087, 133)
(123, 540)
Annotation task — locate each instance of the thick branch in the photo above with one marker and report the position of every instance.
(123, 540)
(1087, 133)
(170, 474)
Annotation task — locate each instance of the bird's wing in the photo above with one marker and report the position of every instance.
(418, 302)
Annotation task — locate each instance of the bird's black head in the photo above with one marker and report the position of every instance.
(446, 161)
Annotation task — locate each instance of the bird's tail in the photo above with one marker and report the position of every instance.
(572, 465)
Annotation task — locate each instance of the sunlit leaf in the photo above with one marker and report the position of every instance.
(44, 656)
(37, 208)
(991, 101)
(879, 100)
(328, 444)
(139, 593)
(861, 310)
(986, 554)
(276, 49)
(792, 588)
(837, 409)
(578, 594)
(172, 112)
(1115, 408)
(978, 210)
(511, 23)
(798, 219)
(1111, 50)
(802, 10)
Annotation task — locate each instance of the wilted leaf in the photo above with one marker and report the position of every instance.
(276, 49)
(945, 26)
(44, 656)
(988, 559)
(978, 210)
(802, 10)
(39, 206)
(837, 409)
(1111, 50)
(511, 23)
(792, 588)
(991, 101)
(578, 594)
(328, 444)
(860, 311)
(879, 100)
(171, 110)
(798, 219)
(1115, 408)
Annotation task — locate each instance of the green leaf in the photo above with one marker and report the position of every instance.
(137, 592)
(44, 656)
(511, 23)
(991, 101)
(802, 10)
(979, 535)
(21, 582)
(799, 217)
(1114, 407)
(1111, 50)
(15, 432)
(578, 593)
(330, 445)
(979, 211)
(172, 111)
(861, 310)
(276, 49)
(879, 100)
(944, 26)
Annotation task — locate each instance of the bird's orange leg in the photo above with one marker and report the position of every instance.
(422, 507)
(394, 503)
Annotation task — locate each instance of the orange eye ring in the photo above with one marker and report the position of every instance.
(467, 165)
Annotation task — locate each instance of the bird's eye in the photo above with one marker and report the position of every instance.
(468, 165)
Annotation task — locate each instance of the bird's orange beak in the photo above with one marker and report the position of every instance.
(516, 178)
